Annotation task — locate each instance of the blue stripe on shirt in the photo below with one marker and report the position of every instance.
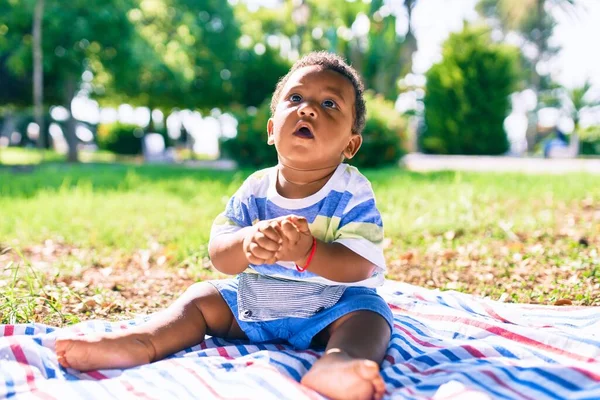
(365, 212)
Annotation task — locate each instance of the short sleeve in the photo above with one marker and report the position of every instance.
(236, 216)
(361, 227)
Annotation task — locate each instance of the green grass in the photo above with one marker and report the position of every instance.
(31, 156)
(488, 234)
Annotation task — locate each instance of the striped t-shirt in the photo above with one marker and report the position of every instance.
(343, 211)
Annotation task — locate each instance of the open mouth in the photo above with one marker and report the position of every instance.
(304, 132)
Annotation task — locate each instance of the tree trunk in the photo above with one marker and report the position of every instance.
(38, 74)
(536, 81)
(151, 127)
(70, 135)
(409, 46)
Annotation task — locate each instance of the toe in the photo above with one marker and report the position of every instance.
(379, 386)
(62, 360)
(368, 369)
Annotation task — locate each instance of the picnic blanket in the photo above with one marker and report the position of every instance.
(445, 345)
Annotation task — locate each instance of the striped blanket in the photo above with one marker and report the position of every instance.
(445, 345)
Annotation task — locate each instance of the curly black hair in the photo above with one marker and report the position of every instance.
(335, 63)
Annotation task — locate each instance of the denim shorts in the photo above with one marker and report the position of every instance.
(299, 332)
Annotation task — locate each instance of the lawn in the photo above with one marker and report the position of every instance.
(115, 241)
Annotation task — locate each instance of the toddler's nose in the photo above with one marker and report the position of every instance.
(307, 110)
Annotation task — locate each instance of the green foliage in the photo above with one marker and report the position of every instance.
(249, 148)
(120, 138)
(381, 55)
(383, 134)
(161, 54)
(467, 95)
(184, 57)
(382, 137)
(256, 75)
(590, 140)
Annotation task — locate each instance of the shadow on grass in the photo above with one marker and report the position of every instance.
(27, 181)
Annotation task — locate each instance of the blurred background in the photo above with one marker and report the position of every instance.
(92, 80)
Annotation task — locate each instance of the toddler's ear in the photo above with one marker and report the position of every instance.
(270, 139)
(353, 145)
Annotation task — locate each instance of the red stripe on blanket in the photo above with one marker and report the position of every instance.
(202, 381)
(493, 313)
(223, 353)
(515, 337)
(587, 373)
(96, 375)
(473, 351)
(129, 387)
(9, 330)
(447, 371)
(311, 394)
(499, 382)
(460, 394)
(29, 375)
(413, 337)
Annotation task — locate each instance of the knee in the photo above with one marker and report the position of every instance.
(197, 294)
(199, 290)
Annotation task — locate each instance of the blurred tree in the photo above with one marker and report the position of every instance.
(77, 34)
(383, 136)
(365, 34)
(388, 56)
(572, 101)
(38, 73)
(534, 22)
(467, 95)
(160, 53)
(577, 99)
(185, 54)
(16, 80)
(255, 76)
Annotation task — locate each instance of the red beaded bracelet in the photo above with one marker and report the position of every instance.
(310, 256)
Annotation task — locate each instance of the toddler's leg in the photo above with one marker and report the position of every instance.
(349, 369)
(200, 310)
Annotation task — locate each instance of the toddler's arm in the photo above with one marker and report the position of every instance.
(332, 261)
(231, 253)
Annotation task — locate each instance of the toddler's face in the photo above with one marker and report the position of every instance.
(312, 124)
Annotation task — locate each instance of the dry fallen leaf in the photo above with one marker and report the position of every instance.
(563, 302)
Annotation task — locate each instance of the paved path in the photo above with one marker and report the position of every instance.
(426, 162)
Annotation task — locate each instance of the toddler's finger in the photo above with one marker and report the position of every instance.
(272, 260)
(259, 252)
(301, 224)
(272, 232)
(253, 259)
(289, 231)
(267, 243)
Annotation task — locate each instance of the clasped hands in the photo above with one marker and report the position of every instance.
(280, 239)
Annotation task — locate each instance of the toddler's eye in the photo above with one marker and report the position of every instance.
(329, 104)
(295, 98)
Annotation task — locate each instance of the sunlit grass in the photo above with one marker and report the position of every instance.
(31, 156)
(528, 238)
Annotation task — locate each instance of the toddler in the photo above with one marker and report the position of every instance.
(303, 240)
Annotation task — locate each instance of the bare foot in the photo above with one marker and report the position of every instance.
(104, 351)
(339, 376)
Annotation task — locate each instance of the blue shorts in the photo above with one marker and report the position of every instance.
(299, 332)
